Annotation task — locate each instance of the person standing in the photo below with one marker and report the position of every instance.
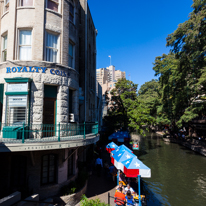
(99, 165)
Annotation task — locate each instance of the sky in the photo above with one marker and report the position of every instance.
(134, 32)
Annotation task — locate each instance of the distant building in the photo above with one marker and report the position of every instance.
(107, 77)
(109, 74)
(102, 75)
(107, 87)
(119, 75)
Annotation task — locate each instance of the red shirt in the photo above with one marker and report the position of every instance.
(120, 198)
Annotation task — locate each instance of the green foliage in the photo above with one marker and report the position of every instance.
(149, 94)
(76, 185)
(126, 110)
(69, 189)
(183, 71)
(95, 202)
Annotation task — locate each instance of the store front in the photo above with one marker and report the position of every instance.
(36, 99)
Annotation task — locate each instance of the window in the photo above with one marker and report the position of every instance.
(71, 55)
(25, 2)
(16, 110)
(6, 2)
(71, 162)
(49, 167)
(71, 12)
(53, 5)
(4, 48)
(51, 47)
(25, 45)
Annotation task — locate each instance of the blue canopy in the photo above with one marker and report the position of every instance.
(111, 146)
(121, 148)
(135, 167)
(120, 136)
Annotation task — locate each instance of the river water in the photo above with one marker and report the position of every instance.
(178, 174)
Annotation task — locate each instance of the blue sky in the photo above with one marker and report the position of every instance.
(134, 32)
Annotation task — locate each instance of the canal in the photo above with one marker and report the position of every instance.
(178, 174)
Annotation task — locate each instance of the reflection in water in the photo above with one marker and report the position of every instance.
(178, 174)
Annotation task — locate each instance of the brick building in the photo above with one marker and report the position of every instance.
(47, 89)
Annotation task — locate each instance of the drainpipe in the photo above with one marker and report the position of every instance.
(15, 18)
(85, 84)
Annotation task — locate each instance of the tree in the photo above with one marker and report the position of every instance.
(149, 93)
(125, 108)
(188, 44)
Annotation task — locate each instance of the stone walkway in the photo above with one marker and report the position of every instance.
(195, 145)
(98, 187)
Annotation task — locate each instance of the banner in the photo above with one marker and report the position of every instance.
(17, 87)
(17, 101)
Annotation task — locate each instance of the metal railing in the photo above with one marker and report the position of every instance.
(21, 132)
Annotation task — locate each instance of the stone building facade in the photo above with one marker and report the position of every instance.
(87, 43)
(47, 77)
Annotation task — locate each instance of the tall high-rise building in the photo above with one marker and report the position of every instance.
(102, 75)
(107, 77)
(109, 74)
(119, 75)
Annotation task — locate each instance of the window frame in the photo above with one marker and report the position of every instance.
(58, 45)
(73, 58)
(6, 5)
(58, 3)
(18, 46)
(48, 170)
(71, 3)
(20, 2)
(2, 48)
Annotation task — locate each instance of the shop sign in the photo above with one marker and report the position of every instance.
(17, 87)
(17, 101)
(36, 70)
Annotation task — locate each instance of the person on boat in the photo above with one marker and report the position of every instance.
(119, 197)
(120, 186)
(122, 177)
(128, 188)
(129, 198)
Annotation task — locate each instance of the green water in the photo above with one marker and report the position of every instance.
(178, 174)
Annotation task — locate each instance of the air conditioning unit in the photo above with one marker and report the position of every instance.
(71, 117)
